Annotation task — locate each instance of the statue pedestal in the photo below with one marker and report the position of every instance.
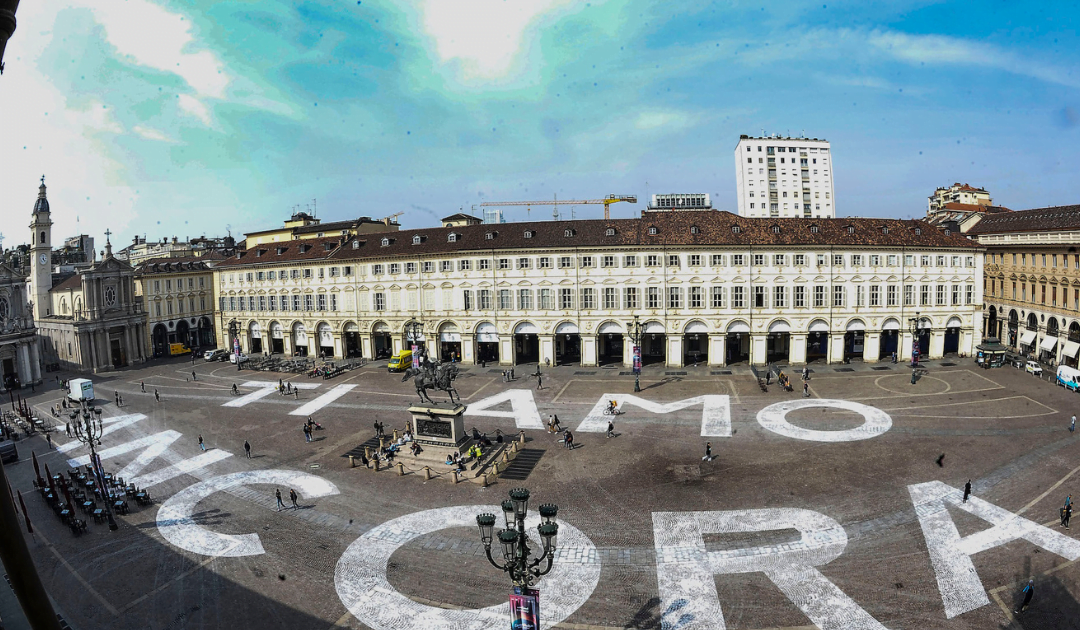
(440, 429)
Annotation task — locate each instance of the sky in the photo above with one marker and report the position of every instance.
(167, 118)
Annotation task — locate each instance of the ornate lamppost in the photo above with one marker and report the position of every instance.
(515, 542)
(633, 329)
(88, 432)
(414, 332)
(914, 325)
(234, 337)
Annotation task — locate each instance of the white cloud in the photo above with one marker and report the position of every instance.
(193, 106)
(669, 119)
(485, 36)
(942, 49)
(150, 134)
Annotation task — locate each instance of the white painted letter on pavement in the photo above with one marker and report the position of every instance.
(715, 412)
(524, 413)
(262, 390)
(774, 418)
(363, 587)
(950, 555)
(176, 522)
(685, 569)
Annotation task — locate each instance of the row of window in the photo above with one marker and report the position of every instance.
(612, 261)
(1020, 292)
(179, 284)
(179, 306)
(1052, 259)
(303, 303)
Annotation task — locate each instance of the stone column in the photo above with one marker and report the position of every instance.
(718, 349)
(91, 342)
(628, 351)
(588, 351)
(797, 348)
(547, 349)
(836, 347)
(26, 375)
(758, 349)
(468, 349)
(35, 360)
(507, 355)
(674, 351)
(871, 347)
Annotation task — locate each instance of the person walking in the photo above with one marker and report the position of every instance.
(201, 444)
(805, 390)
(539, 381)
(116, 397)
(1029, 592)
(1066, 516)
(967, 490)
(277, 494)
(48, 438)
(1072, 424)
(247, 449)
(610, 429)
(568, 439)
(67, 427)
(296, 393)
(708, 457)
(768, 377)
(555, 418)
(142, 386)
(121, 400)
(292, 497)
(193, 376)
(307, 433)
(157, 396)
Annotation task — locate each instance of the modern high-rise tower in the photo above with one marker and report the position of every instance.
(784, 177)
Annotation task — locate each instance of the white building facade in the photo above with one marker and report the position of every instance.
(780, 177)
(705, 287)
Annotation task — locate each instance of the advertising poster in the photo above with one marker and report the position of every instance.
(637, 359)
(525, 609)
(415, 356)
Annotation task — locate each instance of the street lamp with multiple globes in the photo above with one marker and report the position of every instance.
(90, 433)
(515, 541)
(414, 332)
(633, 329)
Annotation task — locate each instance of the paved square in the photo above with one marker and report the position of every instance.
(835, 514)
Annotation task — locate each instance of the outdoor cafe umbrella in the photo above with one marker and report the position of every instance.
(37, 471)
(26, 515)
(48, 474)
(67, 495)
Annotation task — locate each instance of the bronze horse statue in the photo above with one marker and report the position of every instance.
(436, 376)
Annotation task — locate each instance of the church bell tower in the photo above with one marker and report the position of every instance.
(41, 253)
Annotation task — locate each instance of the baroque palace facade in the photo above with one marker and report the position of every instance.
(708, 287)
(1032, 280)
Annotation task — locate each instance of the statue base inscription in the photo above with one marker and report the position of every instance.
(440, 428)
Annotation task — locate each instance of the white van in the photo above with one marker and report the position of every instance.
(1068, 377)
(81, 389)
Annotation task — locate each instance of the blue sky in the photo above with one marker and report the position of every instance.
(182, 118)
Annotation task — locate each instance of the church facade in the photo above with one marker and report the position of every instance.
(20, 362)
(91, 320)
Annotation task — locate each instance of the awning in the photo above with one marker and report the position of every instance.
(1071, 349)
(1048, 344)
(1027, 337)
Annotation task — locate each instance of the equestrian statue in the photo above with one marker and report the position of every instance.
(433, 375)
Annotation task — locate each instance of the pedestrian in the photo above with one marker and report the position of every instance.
(157, 396)
(1068, 502)
(381, 433)
(566, 438)
(116, 397)
(708, 452)
(277, 494)
(121, 400)
(967, 490)
(296, 393)
(941, 460)
(805, 390)
(610, 429)
(292, 496)
(201, 445)
(142, 386)
(550, 424)
(1072, 425)
(539, 381)
(67, 426)
(378, 432)
(555, 417)
(247, 449)
(307, 433)
(193, 375)
(1065, 517)
(48, 438)
(512, 377)
(280, 384)
(1028, 592)
(768, 377)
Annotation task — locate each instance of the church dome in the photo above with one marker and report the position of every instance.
(42, 204)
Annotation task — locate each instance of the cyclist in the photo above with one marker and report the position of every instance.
(234, 389)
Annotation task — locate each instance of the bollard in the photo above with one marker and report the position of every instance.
(496, 467)
(522, 438)
(427, 472)
(376, 460)
(367, 452)
(382, 443)
(506, 457)
(352, 462)
(455, 475)
(401, 469)
(484, 480)
(517, 446)
(395, 435)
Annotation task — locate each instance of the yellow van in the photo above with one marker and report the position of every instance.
(178, 348)
(400, 361)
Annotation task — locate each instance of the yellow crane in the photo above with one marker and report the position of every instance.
(607, 201)
(387, 220)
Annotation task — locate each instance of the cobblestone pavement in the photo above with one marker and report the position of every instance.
(1004, 430)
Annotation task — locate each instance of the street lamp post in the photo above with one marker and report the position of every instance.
(914, 324)
(90, 433)
(633, 328)
(234, 336)
(515, 542)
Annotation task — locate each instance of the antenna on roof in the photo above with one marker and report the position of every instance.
(555, 209)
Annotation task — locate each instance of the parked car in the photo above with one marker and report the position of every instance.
(1033, 367)
(215, 355)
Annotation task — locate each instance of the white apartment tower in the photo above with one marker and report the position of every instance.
(784, 177)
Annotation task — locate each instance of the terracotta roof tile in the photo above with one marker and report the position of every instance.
(1037, 220)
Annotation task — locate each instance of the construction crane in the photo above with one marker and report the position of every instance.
(607, 201)
(387, 220)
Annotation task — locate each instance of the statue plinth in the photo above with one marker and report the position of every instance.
(440, 427)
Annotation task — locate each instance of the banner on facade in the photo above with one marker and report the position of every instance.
(415, 356)
(637, 359)
(525, 609)
(915, 353)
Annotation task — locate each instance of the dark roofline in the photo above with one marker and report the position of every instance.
(1050, 219)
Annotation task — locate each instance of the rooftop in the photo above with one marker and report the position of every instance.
(1052, 219)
